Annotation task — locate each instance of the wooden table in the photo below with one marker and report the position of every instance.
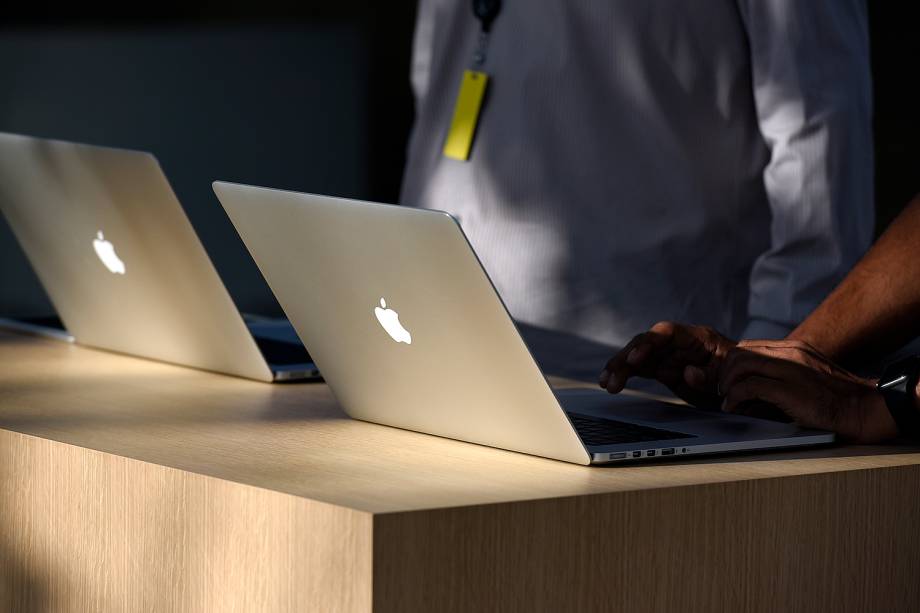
(129, 485)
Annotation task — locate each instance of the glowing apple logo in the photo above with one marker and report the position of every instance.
(389, 319)
(106, 252)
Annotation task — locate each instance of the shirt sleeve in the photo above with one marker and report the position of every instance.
(812, 91)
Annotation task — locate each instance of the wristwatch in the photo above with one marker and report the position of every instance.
(899, 388)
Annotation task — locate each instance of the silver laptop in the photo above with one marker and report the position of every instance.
(409, 332)
(123, 267)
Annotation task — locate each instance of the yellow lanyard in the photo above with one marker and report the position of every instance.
(472, 92)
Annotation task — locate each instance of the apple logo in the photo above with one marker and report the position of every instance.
(106, 252)
(389, 319)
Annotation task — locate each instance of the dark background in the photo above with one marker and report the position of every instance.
(308, 96)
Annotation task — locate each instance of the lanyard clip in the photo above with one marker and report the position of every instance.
(479, 57)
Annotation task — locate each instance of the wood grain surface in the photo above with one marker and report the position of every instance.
(129, 485)
(835, 542)
(86, 531)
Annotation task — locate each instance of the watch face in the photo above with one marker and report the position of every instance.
(901, 375)
(896, 384)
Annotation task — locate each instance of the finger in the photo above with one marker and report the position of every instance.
(670, 374)
(616, 361)
(660, 336)
(638, 354)
(666, 346)
(620, 356)
(695, 378)
(783, 395)
(740, 364)
(633, 358)
(766, 348)
(703, 348)
(760, 342)
(794, 350)
(653, 353)
(700, 400)
(666, 329)
(782, 345)
(617, 364)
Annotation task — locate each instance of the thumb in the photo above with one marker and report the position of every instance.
(701, 379)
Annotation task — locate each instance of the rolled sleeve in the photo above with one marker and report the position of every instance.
(812, 90)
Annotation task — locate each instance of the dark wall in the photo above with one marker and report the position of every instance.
(253, 105)
(308, 96)
(895, 59)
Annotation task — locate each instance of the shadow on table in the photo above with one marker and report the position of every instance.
(827, 451)
(21, 588)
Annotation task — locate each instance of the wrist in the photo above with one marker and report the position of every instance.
(899, 388)
(876, 422)
(813, 339)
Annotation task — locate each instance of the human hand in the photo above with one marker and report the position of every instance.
(806, 386)
(685, 358)
(796, 351)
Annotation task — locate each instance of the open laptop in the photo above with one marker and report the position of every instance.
(123, 267)
(409, 331)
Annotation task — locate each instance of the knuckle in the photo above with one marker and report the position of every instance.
(736, 355)
(664, 327)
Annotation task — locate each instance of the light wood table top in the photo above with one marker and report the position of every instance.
(294, 439)
(129, 485)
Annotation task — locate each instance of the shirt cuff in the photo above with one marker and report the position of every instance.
(765, 330)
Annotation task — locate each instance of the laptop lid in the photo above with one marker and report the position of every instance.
(401, 319)
(118, 257)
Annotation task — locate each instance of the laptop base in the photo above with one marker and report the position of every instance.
(285, 354)
(646, 429)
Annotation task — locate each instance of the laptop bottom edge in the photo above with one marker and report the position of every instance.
(37, 327)
(295, 372)
(674, 449)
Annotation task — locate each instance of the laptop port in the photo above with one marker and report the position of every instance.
(637, 454)
(667, 451)
(650, 452)
(617, 456)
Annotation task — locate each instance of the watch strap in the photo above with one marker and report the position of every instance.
(898, 387)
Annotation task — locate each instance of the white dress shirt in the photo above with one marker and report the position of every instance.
(644, 160)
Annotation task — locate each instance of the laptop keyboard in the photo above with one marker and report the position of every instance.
(597, 431)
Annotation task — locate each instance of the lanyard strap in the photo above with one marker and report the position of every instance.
(486, 11)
